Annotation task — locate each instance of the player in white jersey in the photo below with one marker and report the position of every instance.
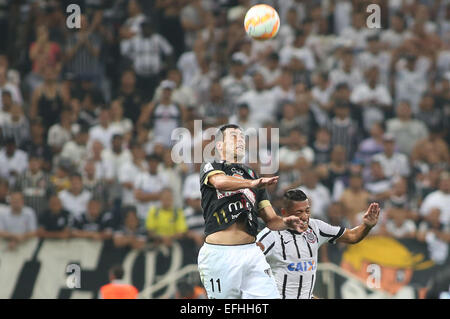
(293, 255)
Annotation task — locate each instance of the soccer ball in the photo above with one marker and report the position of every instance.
(262, 22)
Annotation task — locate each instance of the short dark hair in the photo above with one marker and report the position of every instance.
(220, 132)
(294, 195)
(117, 271)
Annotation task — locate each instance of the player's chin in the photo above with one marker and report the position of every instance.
(303, 225)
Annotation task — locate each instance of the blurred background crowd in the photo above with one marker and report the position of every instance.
(86, 115)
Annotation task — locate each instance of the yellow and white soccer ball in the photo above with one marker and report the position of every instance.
(262, 22)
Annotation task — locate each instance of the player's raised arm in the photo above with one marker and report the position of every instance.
(275, 222)
(223, 182)
(370, 219)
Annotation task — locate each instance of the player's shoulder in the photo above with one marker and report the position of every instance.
(265, 234)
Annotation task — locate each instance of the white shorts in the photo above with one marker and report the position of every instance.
(236, 272)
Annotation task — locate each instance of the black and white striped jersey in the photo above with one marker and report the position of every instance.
(293, 256)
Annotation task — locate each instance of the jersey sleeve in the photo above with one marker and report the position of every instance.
(327, 232)
(209, 169)
(266, 241)
(262, 198)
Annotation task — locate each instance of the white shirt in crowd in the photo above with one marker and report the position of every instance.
(146, 53)
(75, 204)
(75, 152)
(303, 54)
(103, 134)
(407, 227)
(148, 183)
(289, 156)
(261, 104)
(396, 165)
(18, 223)
(114, 161)
(18, 162)
(406, 133)
(437, 199)
(128, 173)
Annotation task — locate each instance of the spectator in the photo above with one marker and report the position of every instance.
(117, 289)
(35, 185)
(236, 82)
(75, 150)
(42, 52)
(398, 225)
(104, 131)
(317, 193)
(260, 101)
(410, 81)
(216, 110)
(440, 199)
(124, 125)
(192, 18)
(193, 214)
(113, 158)
(430, 115)
(299, 51)
(94, 183)
(145, 50)
(76, 198)
(322, 146)
(131, 233)
(18, 222)
(48, 100)
(354, 198)
(82, 52)
(436, 234)
(4, 193)
(55, 221)
(334, 174)
(346, 72)
(435, 144)
(13, 161)
(93, 223)
(374, 99)
(166, 223)
(61, 178)
(182, 94)
(163, 116)
(406, 130)
(148, 187)
(37, 145)
(61, 132)
(343, 129)
(371, 145)
(393, 163)
(130, 96)
(5, 85)
(242, 117)
(173, 173)
(379, 186)
(15, 124)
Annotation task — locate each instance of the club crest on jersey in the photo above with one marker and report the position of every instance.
(237, 172)
(310, 237)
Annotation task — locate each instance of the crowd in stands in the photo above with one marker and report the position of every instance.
(87, 114)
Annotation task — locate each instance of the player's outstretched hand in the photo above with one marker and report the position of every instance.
(265, 181)
(370, 217)
(294, 223)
